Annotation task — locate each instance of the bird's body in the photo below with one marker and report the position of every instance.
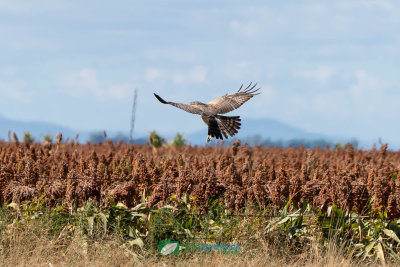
(218, 126)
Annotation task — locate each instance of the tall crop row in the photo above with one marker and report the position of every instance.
(237, 175)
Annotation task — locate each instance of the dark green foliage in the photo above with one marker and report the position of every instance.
(179, 140)
(155, 140)
(28, 138)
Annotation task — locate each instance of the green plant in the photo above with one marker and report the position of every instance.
(28, 138)
(48, 138)
(155, 139)
(338, 146)
(59, 138)
(179, 140)
(176, 223)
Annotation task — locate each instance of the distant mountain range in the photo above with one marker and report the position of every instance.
(264, 128)
(36, 128)
(252, 129)
(40, 129)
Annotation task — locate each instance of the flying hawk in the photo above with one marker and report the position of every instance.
(219, 125)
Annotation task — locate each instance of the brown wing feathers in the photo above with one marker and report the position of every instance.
(249, 89)
(188, 108)
(227, 103)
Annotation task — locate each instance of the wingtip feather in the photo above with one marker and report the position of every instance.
(160, 99)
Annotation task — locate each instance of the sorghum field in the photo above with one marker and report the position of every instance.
(291, 206)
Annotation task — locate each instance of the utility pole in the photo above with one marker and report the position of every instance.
(133, 116)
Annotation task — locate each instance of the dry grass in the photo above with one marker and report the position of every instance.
(31, 247)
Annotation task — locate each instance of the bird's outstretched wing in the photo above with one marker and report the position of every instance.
(227, 103)
(185, 107)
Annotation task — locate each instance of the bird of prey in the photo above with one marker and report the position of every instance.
(219, 125)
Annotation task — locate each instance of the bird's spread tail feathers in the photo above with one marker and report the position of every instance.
(223, 125)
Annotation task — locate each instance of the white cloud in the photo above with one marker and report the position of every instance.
(383, 4)
(268, 95)
(244, 71)
(197, 74)
(27, 6)
(153, 74)
(369, 92)
(363, 102)
(121, 32)
(321, 74)
(15, 90)
(8, 71)
(83, 82)
(120, 91)
(35, 43)
(86, 84)
(247, 28)
(12, 87)
(172, 55)
(330, 104)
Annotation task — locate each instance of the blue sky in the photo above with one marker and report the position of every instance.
(329, 67)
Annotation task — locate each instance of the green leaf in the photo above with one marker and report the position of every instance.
(135, 214)
(104, 219)
(369, 247)
(90, 224)
(138, 242)
(379, 253)
(112, 202)
(59, 208)
(358, 254)
(138, 207)
(187, 231)
(391, 234)
(120, 205)
(13, 205)
(285, 209)
(287, 218)
(357, 246)
(130, 231)
(169, 207)
(299, 222)
(371, 201)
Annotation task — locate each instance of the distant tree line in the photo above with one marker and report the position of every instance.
(156, 140)
(257, 140)
(97, 137)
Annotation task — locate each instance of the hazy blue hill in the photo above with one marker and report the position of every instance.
(36, 128)
(274, 129)
(39, 129)
(252, 129)
(264, 128)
